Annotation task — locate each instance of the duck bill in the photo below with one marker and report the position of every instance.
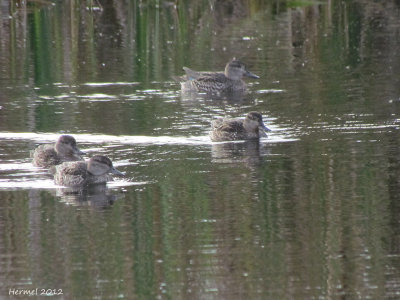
(79, 152)
(251, 75)
(263, 129)
(116, 172)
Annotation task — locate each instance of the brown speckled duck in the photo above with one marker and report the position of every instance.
(79, 173)
(251, 127)
(64, 149)
(217, 82)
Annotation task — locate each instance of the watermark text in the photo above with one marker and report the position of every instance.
(34, 292)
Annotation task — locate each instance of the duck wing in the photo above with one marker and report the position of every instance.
(211, 82)
(74, 168)
(194, 75)
(191, 74)
(45, 156)
(231, 126)
(71, 173)
(227, 130)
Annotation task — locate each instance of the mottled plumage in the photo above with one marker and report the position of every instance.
(217, 82)
(79, 173)
(64, 149)
(251, 127)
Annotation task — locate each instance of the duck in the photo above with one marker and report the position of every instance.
(251, 127)
(217, 82)
(83, 173)
(65, 149)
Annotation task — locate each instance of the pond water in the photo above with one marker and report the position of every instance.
(310, 212)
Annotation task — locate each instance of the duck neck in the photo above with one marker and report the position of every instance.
(231, 74)
(61, 151)
(250, 126)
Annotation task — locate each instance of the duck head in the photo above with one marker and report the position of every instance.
(254, 119)
(66, 146)
(236, 70)
(99, 165)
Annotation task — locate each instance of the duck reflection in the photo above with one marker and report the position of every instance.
(94, 195)
(239, 97)
(247, 152)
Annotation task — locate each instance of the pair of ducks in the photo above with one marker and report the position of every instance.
(66, 164)
(252, 127)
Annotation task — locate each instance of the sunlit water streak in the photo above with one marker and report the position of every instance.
(270, 91)
(124, 139)
(97, 84)
(32, 178)
(23, 175)
(39, 183)
(25, 183)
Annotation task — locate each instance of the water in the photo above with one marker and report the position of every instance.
(311, 212)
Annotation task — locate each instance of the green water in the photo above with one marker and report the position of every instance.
(310, 212)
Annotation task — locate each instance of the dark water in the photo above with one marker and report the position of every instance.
(311, 212)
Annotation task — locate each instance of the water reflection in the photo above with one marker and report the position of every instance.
(232, 98)
(309, 212)
(249, 152)
(96, 196)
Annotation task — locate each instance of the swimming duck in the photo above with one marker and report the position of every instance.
(64, 149)
(217, 82)
(80, 173)
(251, 127)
